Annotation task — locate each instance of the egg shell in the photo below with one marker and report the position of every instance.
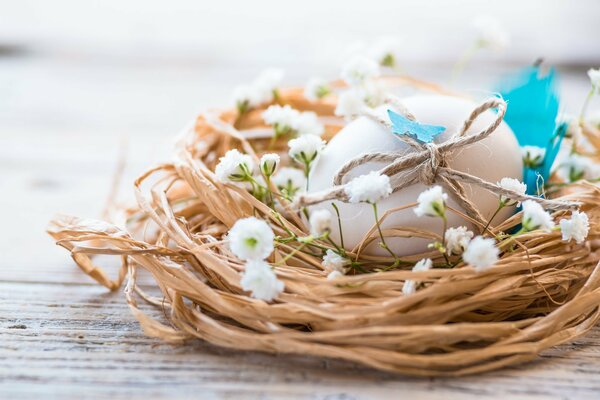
(491, 159)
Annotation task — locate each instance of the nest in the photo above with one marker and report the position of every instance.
(541, 293)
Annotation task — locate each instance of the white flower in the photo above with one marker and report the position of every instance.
(369, 188)
(267, 82)
(576, 228)
(261, 90)
(307, 123)
(511, 184)
(423, 265)
(320, 222)
(576, 167)
(251, 239)
(594, 119)
(332, 261)
(282, 118)
(333, 275)
(305, 148)
(534, 217)
(260, 279)
(533, 156)
(316, 89)
(385, 51)
(491, 33)
(457, 239)
(594, 75)
(290, 180)
(410, 286)
(481, 253)
(431, 202)
(234, 166)
(374, 94)
(286, 120)
(358, 70)
(246, 97)
(351, 102)
(269, 163)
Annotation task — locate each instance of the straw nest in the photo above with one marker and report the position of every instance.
(542, 293)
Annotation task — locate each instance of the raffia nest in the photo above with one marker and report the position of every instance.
(542, 293)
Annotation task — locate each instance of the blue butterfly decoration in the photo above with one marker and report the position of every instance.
(533, 104)
(422, 132)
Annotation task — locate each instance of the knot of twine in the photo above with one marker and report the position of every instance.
(429, 171)
(427, 164)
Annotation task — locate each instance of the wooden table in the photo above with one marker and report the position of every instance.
(62, 336)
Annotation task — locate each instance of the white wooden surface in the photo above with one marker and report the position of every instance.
(62, 122)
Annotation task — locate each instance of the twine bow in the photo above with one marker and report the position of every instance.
(427, 164)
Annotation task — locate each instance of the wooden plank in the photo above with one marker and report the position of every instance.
(79, 341)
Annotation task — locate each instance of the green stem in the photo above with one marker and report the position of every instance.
(337, 211)
(463, 61)
(500, 207)
(307, 173)
(444, 227)
(383, 243)
(586, 103)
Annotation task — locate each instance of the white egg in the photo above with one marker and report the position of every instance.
(491, 159)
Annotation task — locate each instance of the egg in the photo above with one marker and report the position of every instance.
(491, 159)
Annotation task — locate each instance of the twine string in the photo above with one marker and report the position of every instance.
(428, 165)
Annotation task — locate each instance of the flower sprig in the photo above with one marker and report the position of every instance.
(305, 150)
(263, 89)
(252, 240)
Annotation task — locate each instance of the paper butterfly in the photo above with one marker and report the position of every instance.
(422, 132)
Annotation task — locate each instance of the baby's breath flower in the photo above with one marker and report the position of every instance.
(533, 156)
(410, 286)
(374, 94)
(245, 97)
(594, 119)
(289, 181)
(332, 261)
(511, 184)
(333, 275)
(576, 228)
(316, 89)
(286, 120)
(594, 75)
(385, 51)
(369, 188)
(481, 253)
(432, 202)
(282, 118)
(576, 167)
(260, 279)
(491, 33)
(267, 84)
(261, 90)
(234, 167)
(306, 148)
(320, 222)
(251, 239)
(534, 217)
(269, 163)
(358, 70)
(307, 123)
(457, 239)
(351, 102)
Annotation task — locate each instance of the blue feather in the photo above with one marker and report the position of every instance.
(422, 132)
(533, 105)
